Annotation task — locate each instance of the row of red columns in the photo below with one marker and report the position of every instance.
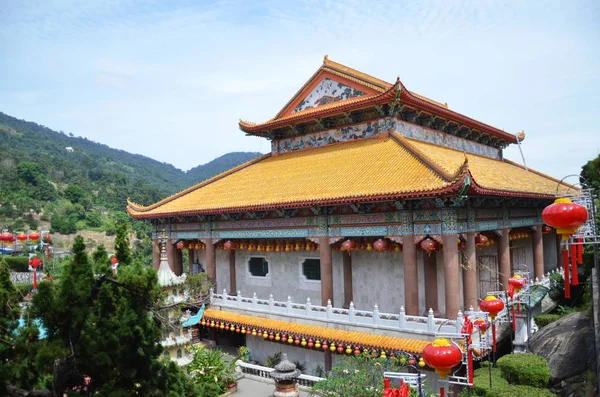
(411, 285)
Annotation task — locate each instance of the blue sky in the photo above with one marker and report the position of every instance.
(171, 79)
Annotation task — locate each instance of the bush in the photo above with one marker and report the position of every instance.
(17, 263)
(24, 289)
(525, 369)
(481, 381)
(520, 391)
(544, 319)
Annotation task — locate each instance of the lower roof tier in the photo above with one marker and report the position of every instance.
(387, 167)
(322, 334)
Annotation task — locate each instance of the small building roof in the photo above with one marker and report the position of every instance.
(352, 338)
(385, 167)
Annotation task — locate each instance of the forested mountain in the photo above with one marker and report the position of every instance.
(82, 181)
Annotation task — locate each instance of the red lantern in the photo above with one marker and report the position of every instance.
(546, 229)
(348, 245)
(229, 245)
(480, 239)
(22, 237)
(428, 245)
(565, 216)
(517, 282)
(481, 324)
(7, 237)
(310, 343)
(442, 356)
(297, 340)
(492, 306)
(380, 245)
(179, 245)
(34, 263)
(35, 236)
(325, 346)
(47, 239)
(284, 338)
(340, 348)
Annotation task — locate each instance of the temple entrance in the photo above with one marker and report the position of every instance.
(488, 274)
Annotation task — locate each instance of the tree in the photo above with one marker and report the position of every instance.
(590, 174)
(101, 339)
(9, 318)
(122, 250)
(100, 259)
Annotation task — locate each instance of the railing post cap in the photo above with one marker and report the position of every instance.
(239, 292)
(430, 312)
(402, 309)
(376, 307)
(471, 308)
(271, 296)
(308, 300)
(289, 298)
(328, 302)
(254, 295)
(224, 291)
(351, 304)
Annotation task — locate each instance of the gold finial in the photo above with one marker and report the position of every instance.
(466, 158)
(325, 58)
(521, 135)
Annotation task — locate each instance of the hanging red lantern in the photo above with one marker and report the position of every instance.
(229, 245)
(481, 324)
(34, 236)
(340, 348)
(492, 306)
(565, 216)
(480, 240)
(380, 245)
(310, 343)
(546, 229)
(22, 237)
(297, 341)
(325, 346)
(442, 355)
(284, 338)
(428, 245)
(7, 237)
(34, 263)
(348, 245)
(179, 245)
(47, 239)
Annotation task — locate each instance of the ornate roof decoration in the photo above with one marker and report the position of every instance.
(373, 92)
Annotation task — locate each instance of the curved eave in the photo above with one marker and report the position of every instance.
(476, 189)
(449, 189)
(408, 98)
(320, 112)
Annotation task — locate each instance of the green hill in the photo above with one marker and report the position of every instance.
(77, 183)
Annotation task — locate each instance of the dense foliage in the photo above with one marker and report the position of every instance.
(80, 184)
(542, 320)
(100, 337)
(513, 377)
(210, 371)
(525, 369)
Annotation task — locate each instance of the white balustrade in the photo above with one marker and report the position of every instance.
(372, 319)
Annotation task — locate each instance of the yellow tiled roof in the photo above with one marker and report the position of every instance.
(490, 174)
(323, 334)
(357, 170)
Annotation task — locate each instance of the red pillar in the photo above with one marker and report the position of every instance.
(411, 278)
(538, 252)
(504, 259)
(452, 274)
(348, 297)
(326, 270)
(470, 272)
(431, 286)
(174, 257)
(211, 263)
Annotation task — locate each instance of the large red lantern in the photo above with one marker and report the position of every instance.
(380, 245)
(428, 245)
(180, 245)
(35, 236)
(348, 245)
(22, 237)
(565, 216)
(442, 355)
(7, 237)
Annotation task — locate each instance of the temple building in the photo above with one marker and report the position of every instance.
(374, 205)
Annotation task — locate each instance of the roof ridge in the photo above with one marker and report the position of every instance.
(223, 174)
(421, 156)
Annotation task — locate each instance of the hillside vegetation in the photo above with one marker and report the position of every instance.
(77, 184)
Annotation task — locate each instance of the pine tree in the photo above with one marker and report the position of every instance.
(122, 250)
(9, 318)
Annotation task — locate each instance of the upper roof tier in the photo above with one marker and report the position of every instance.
(335, 89)
(385, 167)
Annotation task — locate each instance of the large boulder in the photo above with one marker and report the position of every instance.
(565, 344)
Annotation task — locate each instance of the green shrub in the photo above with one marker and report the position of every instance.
(24, 289)
(520, 391)
(481, 381)
(17, 263)
(525, 369)
(544, 319)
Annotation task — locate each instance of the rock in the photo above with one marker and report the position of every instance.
(565, 345)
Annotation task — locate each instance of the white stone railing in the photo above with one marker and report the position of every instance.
(178, 340)
(25, 277)
(265, 372)
(428, 325)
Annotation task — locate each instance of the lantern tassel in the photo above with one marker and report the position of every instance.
(574, 250)
(470, 358)
(441, 391)
(580, 251)
(35, 278)
(566, 265)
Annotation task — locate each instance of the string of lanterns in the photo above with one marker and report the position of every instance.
(334, 346)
